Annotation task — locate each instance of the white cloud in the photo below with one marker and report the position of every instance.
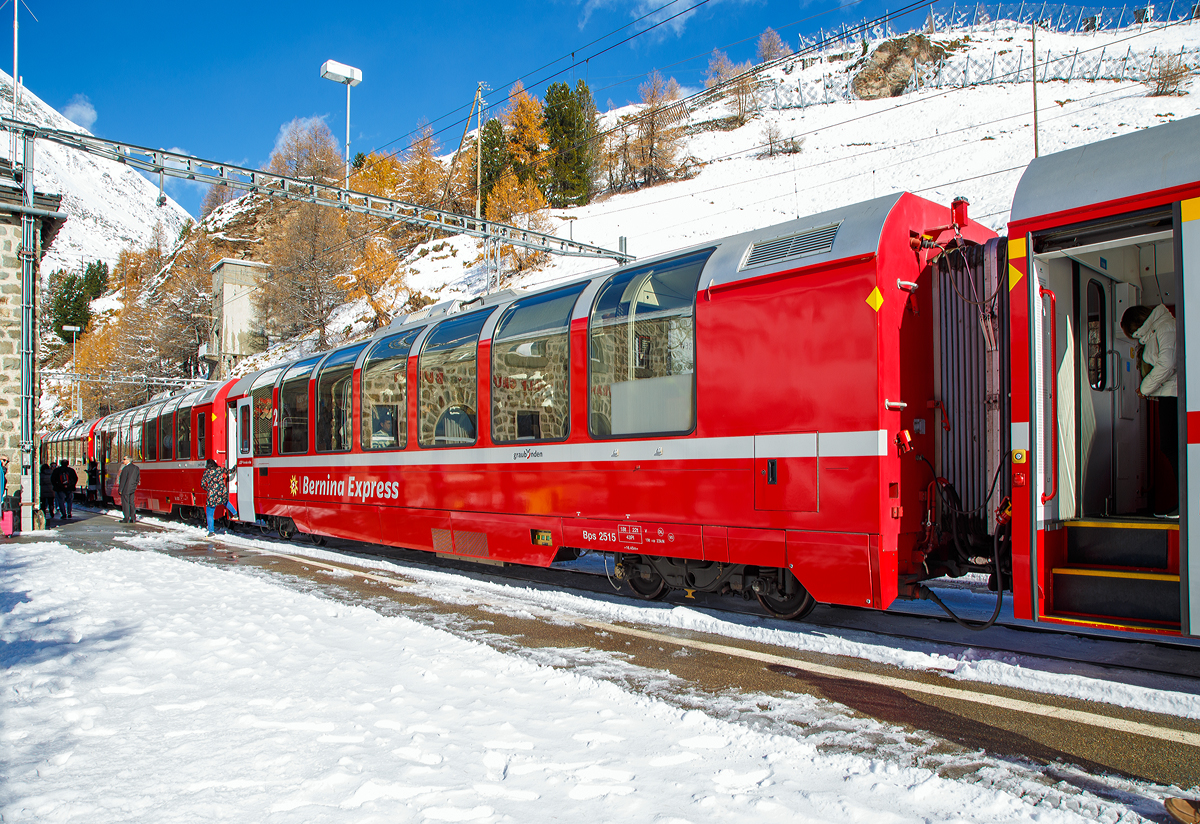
(80, 111)
(668, 17)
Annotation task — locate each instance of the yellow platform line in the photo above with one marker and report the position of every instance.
(1116, 573)
(1122, 525)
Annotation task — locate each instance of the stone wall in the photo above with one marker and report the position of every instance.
(10, 354)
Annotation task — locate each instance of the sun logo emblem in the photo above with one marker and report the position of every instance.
(295, 485)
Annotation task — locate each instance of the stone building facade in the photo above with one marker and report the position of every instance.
(48, 220)
(234, 323)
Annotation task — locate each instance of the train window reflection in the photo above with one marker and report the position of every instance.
(183, 433)
(384, 407)
(642, 350)
(293, 408)
(201, 453)
(263, 402)
(531, 368)
(334, 414)
(449, 386)
(166, 429)
(150, 437)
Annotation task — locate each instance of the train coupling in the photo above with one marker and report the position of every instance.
(620, 572)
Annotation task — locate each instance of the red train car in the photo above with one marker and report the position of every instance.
(1095, 231)
(834, 409)
(727, 418)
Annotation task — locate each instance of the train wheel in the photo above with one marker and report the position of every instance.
(286, 529)
(797, 605)
(651, 588)
(318, 540)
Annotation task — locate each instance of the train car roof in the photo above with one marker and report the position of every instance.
(845, 232)
(1144, 161)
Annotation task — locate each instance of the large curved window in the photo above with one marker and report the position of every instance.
(183, 430)
(335, 422)
(531, 368)
(150, 434)
(449, 382)
(263, 404)
(293, 407)
(384, 421)
(166, 430)
(642, 350)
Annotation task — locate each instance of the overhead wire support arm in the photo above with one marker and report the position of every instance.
(185, 167)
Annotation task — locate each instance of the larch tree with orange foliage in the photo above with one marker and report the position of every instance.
(524, 126)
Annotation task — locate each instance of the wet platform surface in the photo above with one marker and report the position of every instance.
(954, 737)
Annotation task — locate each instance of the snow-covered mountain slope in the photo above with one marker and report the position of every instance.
(939, 142)
(109, 205)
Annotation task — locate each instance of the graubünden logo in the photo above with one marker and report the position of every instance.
(527, 454)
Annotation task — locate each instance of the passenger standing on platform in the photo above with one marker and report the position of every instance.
(70, 480)
(57, 477)
(1155, 330)
(46, 491)
(215, 484)
(3, 478)
(127, 484)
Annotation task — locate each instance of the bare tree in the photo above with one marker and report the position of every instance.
(310, 254)
(216, 197)
(743, 87)
(657, 141)
(771, 46)
(720, 69)
(307, 149)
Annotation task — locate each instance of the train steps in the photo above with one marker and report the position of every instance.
(1124, 572)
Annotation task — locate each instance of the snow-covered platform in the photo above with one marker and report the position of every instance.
(151, 675)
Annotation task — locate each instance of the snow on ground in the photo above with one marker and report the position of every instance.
(1156, 693)
(142, 688)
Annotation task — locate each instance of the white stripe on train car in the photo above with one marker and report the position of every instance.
(869, 444)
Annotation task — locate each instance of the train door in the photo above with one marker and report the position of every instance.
(1110, 424)
(245, 460)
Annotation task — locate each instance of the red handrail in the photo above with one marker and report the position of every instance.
(1052, 382)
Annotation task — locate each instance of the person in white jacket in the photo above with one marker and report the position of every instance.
(1154, 329)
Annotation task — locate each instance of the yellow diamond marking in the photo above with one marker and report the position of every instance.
(875, 299)
(1190, 209)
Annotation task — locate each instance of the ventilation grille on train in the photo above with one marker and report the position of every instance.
(811, 242)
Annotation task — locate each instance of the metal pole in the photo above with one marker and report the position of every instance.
(78, 394)
(28, 284)
(347, 186)
(479, 152)
(1035, 120)
(16, 6)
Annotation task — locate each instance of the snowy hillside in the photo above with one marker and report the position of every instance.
(941, 141)
(110, 206)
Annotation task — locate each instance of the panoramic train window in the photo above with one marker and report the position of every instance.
(293, 408)
(166, 434)
(150, 435)
(448, 370)
(642, 350)
(201, 421)
(335, 420)
(531, 368)
(1097, 336)
(183, 433)
(383, 401)
(244, 430)
(262, 400)
(135, 436)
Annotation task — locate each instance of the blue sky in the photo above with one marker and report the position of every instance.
(218, 79)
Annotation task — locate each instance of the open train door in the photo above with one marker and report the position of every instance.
(241, 429)
(1100, 475)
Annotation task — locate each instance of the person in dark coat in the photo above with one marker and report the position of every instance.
(70, 480)
(57, 477)
(215, 484)
(46, 491)
(127, 484)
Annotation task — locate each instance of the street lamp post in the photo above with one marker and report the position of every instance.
(350, 76)
(74, 330)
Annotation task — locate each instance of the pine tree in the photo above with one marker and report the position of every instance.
(95, 279)
(68, 302)
(570, 133)
(495, 160)
(771, 46)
